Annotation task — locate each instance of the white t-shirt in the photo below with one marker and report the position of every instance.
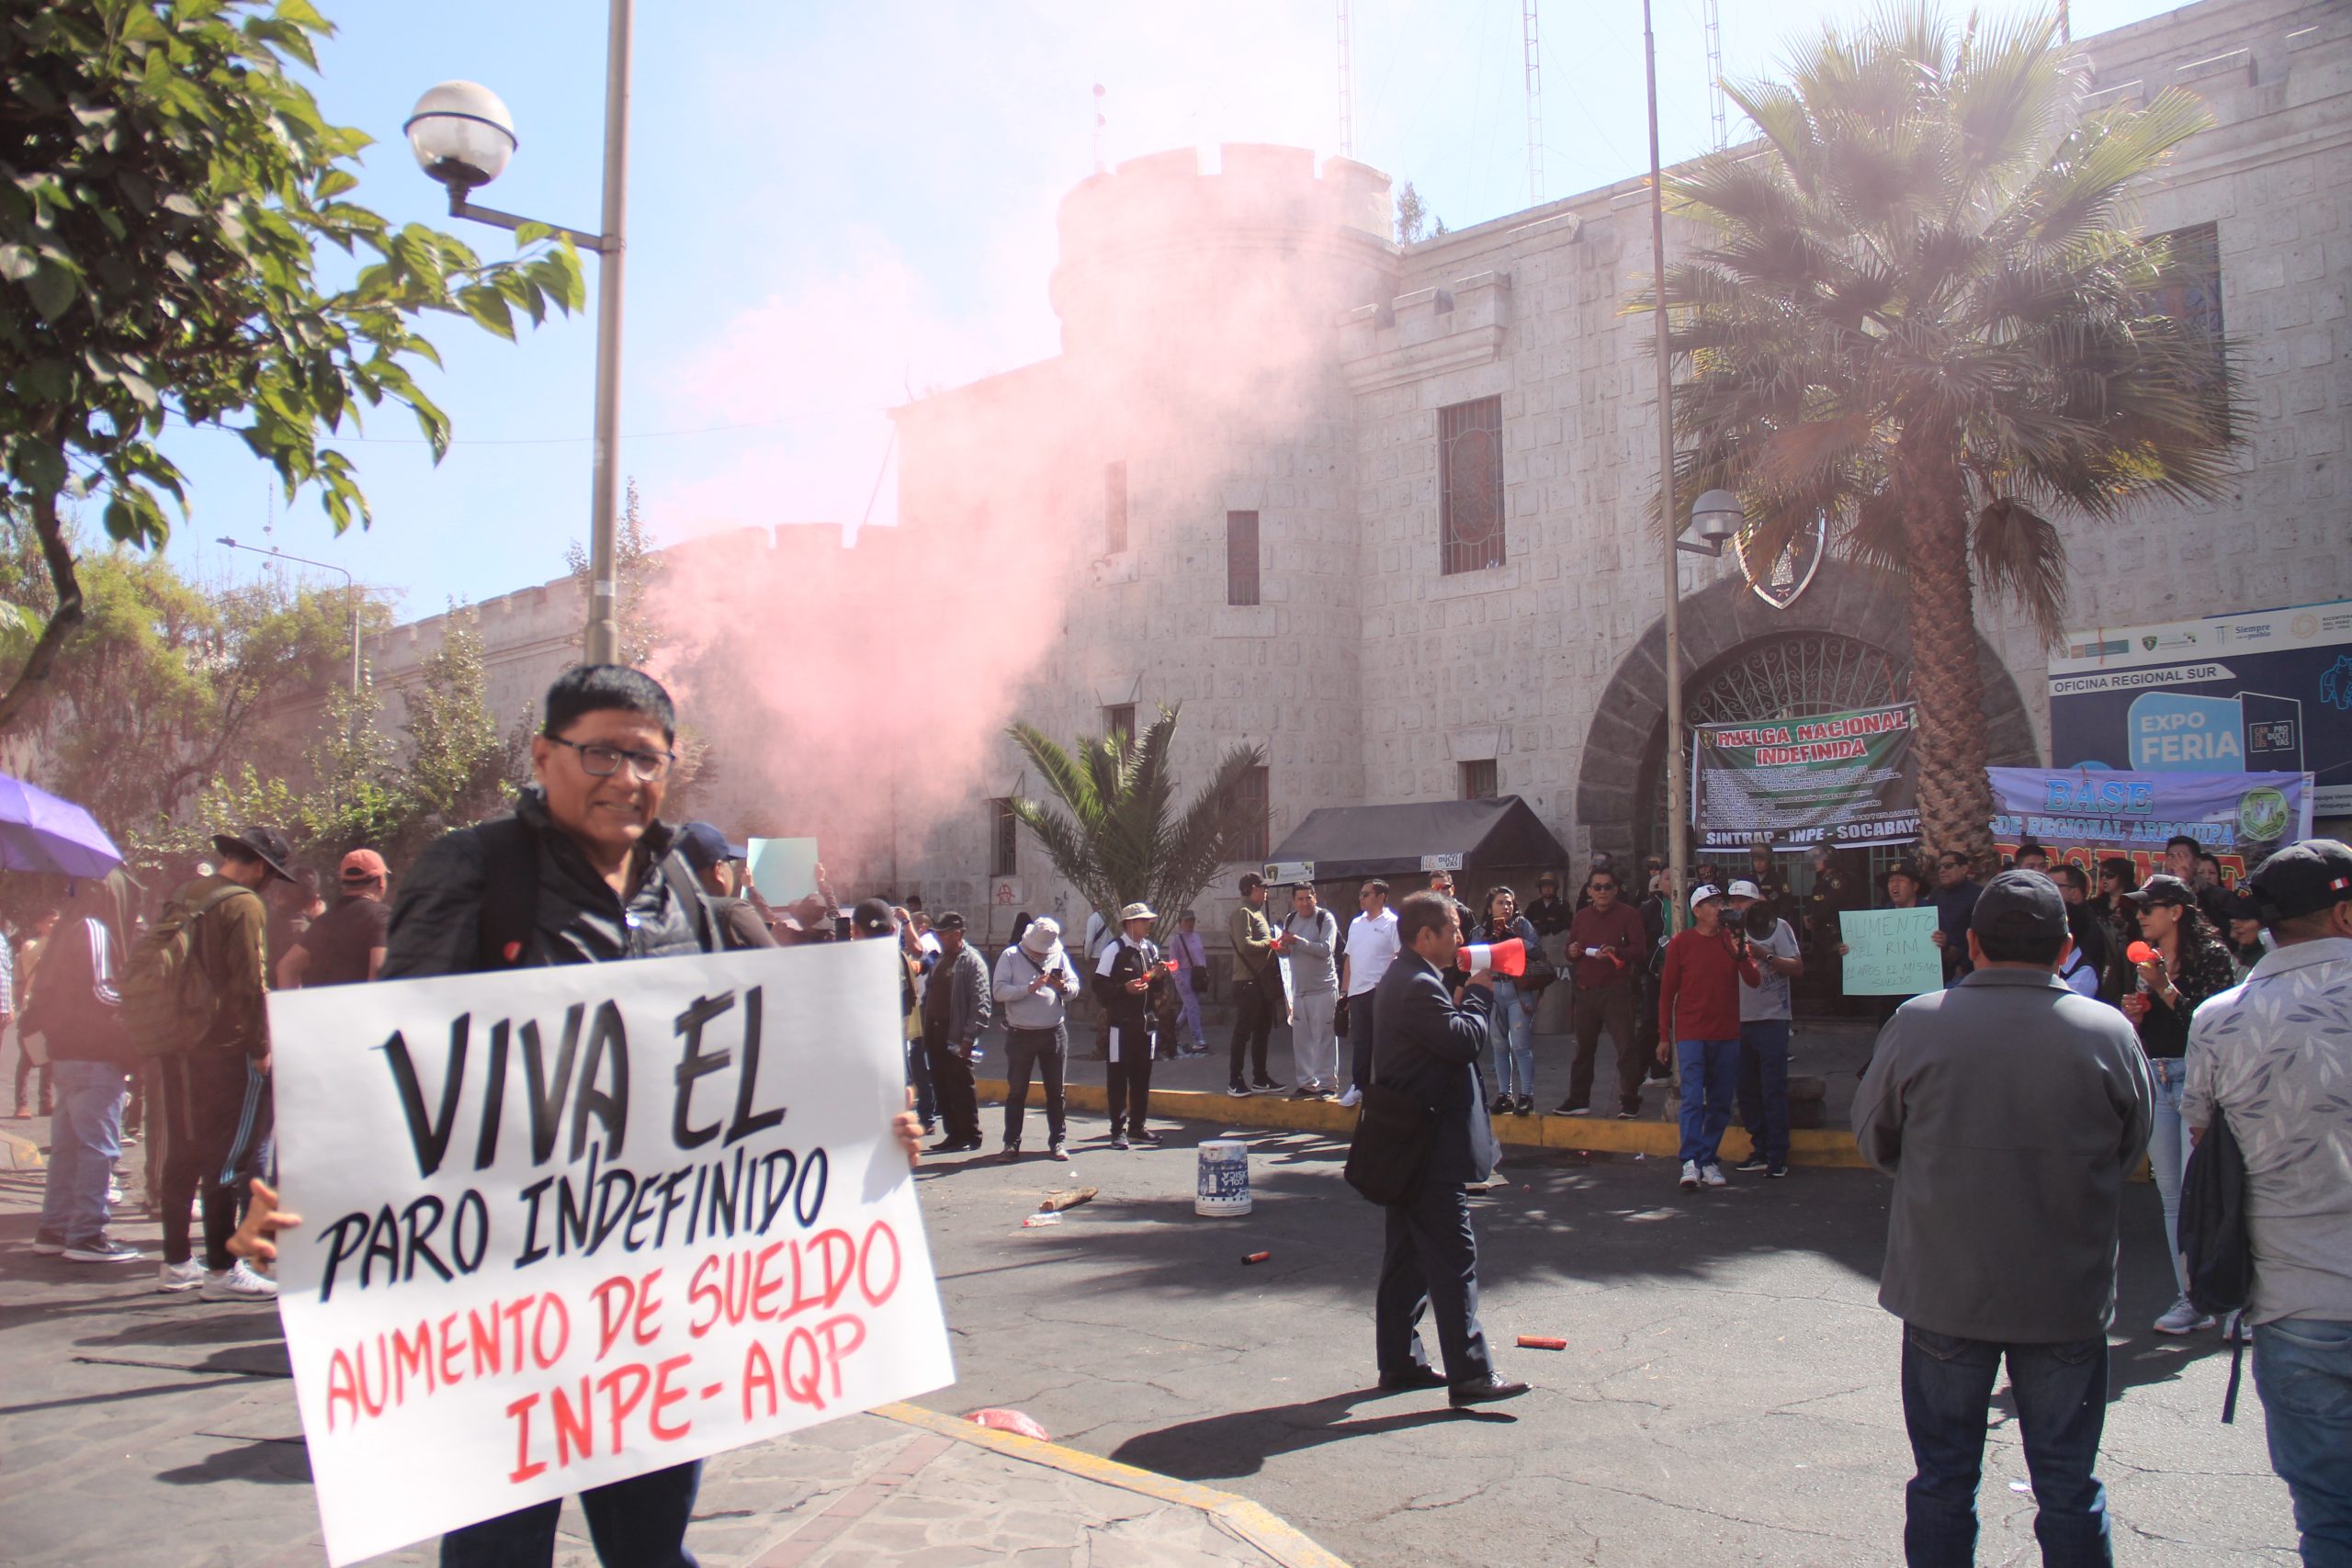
(1372, 948)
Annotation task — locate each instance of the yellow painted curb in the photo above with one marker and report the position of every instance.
(1248, 1521)
(1596, 1135)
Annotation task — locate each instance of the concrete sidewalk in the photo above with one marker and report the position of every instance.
(148, 1430)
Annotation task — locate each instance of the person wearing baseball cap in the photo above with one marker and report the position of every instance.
(2275, 1053)
(217, 1094)
(2186, 964)
(2010, 1111)
(345, 945)
(1698, 1001)
(718, 865)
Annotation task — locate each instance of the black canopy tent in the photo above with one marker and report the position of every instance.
(1346, 842)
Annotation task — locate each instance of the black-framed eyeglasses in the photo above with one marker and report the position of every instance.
(600, 760)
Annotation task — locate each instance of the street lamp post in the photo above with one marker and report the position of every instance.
(462, 136)
(350, 591)
(1677, 853)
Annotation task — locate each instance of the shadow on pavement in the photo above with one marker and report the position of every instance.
(1222, 1448)
(272, 1461)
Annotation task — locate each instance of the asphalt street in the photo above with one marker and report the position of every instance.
(1729, 1391)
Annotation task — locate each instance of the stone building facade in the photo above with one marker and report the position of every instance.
(1241, 453)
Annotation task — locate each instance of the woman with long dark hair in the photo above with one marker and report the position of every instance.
(2186, 962)
(1514, 1014)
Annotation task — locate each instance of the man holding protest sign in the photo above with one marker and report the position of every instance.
(584, 872)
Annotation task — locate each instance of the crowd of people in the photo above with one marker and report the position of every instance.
(2086, 1020)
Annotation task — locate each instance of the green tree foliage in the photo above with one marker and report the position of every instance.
(1924, 311)
(168, 680)
(1412, 216)
(354, 787)
(636, 568)
(166, 187)
(1114, 831)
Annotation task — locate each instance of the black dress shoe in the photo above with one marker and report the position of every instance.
(1419, 1377)
(1486, 1391)
(955, 1145)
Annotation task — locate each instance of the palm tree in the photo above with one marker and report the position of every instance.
(1117, 837)
(1925, 314)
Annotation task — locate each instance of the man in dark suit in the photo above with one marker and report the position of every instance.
(1429, 1047)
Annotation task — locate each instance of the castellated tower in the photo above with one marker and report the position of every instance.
(1187, 461)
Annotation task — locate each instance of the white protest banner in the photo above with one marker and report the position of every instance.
(1891, 952)
(566, 1225)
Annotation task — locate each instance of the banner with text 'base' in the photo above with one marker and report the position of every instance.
(563, 1226)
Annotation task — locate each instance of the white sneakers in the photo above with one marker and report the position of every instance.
(1712, 1175)
(237, 1283)
(2183, 1317)
(1690, 1176)
(1350, 1101)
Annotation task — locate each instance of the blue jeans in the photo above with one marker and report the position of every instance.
(2061, 1394)
(1710, 1081)
(637, 1523)
(2303, 1368)
(1188, 1010)
(2168, 1156)
(1764, 1087)
(85, 1139)
(1514, 1024)
(919, 1078)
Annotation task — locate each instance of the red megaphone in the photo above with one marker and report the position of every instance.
(1507, 958)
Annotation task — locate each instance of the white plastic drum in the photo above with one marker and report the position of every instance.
(1224, 1186)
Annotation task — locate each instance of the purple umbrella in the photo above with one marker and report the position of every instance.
(41, 832)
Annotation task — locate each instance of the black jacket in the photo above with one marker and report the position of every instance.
(436, 916)
(78, 1010)
(1429, 1048)
(1128, 1009)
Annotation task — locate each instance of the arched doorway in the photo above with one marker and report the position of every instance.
(1795, 674)
(1842, 645)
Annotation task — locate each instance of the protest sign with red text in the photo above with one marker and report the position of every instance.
(567, 1226)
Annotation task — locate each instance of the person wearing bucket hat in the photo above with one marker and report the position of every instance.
(216, 1096)
(1033, 985)
(1124, 979)
(2275, 1053)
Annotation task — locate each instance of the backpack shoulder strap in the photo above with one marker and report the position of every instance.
(506, 931)
(684, 888)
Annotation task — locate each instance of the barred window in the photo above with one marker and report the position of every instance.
(1115, 507)
(1470, 485)
(1004, 837)
(1241, 558)
(1478, 780)
(2191, 292)
(1256, 801)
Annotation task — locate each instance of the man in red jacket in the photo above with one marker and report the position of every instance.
(1608, 947)
(1698, 1004)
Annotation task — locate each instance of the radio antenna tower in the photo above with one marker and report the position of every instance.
(1347, 88)
(1534, 109)
(1714, 24)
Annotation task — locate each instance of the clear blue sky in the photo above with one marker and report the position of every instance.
(833, 204)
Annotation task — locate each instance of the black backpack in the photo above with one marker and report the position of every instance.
(2215, 1247)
